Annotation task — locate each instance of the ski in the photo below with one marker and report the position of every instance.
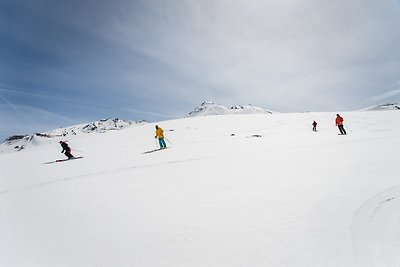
(154, 150)
(62, 160)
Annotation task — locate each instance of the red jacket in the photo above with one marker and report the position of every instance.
(339, 120)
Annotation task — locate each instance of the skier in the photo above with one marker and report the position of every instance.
(66, 149)
(160, 136)
(339, 124)
(314, 124)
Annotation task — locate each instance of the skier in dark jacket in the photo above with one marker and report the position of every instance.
(66, 150)
(314, 124)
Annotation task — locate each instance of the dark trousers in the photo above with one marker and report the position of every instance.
(341, 129)
(68, 153)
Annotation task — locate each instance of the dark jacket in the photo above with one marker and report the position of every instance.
(65, 147)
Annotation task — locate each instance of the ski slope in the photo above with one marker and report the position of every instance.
(232, 190)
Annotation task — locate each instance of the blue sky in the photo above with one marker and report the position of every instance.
(67, 62)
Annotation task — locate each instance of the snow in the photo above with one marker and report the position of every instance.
(208, 108)
(232, 190)
(19, 142)
(382, 107)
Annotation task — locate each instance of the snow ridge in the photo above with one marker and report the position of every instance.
(19, 142)
(208, 108)
(388, 106)
(101, 126)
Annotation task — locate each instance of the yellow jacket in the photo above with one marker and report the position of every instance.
(159, 133)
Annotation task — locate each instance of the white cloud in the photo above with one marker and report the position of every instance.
(384, 96)
(234, 49)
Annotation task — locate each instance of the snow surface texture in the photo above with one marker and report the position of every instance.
(19, 142)
(232, 190)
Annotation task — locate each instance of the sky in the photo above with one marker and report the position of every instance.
(68, 62)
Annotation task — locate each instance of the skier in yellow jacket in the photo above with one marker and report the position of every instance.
(160, 136)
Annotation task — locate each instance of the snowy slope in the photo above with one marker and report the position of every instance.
(19, 142)
(208, 108)
(243, 190)
(390, 106)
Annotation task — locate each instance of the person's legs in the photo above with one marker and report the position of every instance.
(68, 154)
(342, 130)
(162, 143)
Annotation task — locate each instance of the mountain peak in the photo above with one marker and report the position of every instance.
(19, 142)
(208, 108)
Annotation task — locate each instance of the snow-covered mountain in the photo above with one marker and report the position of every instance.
(19, 142)
(389, 106)
(210, 108)
(101, 126)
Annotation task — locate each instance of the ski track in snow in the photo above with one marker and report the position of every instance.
(376, 239)
(99, 173)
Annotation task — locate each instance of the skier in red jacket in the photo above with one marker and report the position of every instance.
(339, 124)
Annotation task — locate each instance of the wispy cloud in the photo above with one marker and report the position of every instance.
(16, 111)
(27, 120)
(233, 50)
(385, 96)
(156, 59)
(9, 104)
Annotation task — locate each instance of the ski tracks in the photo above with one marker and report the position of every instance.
(375, 230)
(88, 175)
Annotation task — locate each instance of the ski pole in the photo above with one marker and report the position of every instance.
(168, 141)
(349, 128)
